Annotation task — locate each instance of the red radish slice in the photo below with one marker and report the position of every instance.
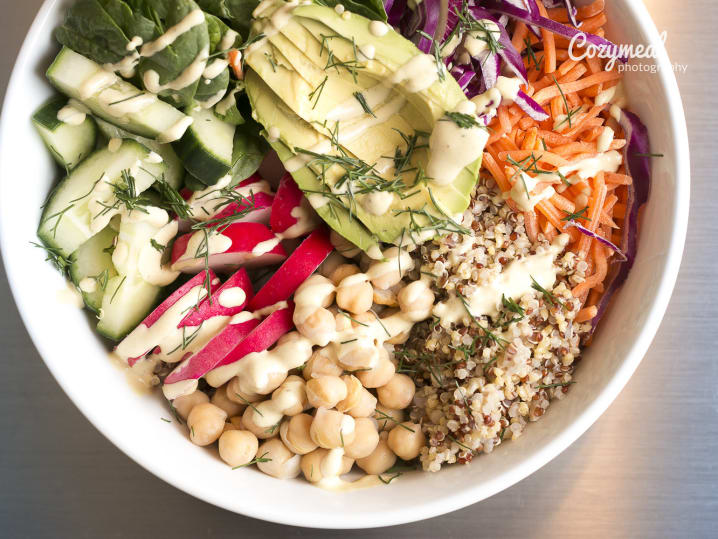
(199, 364)
(240, 244)
(166, 317)
(260, 338)
(228, 300)
(298, 267)
(237, 340)
(292, 216)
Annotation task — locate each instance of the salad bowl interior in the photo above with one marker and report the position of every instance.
(79, 359)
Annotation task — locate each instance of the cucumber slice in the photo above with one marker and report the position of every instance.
(93, 260)
(68, 144)
(66, 221)
(174, 175)
(125, 304)
(77, 76)
(206, 147)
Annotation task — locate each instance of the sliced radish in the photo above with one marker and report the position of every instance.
(276, 324)
(240, 244)
(292, 215)
(166, 317)
(228, 300)
(199, 364)
(297, 268)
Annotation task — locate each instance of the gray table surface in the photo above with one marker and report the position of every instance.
(647, 468)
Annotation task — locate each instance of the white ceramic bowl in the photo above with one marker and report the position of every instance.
(78, 359)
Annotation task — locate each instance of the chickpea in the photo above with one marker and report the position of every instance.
(379, 461)
(353, 393)
(365, 439)
(385, 297)
(206, 423)
(322, 362)
(235, 393)
(388, 272)
(416, 300)
(312, 465)
(331, 429)
(228, 426)
(366, 405)
(236, 421)
(221, 399)
(387, 418)
(317, 290)
(291, 396)
(237, 447)
(406, 440)
(343, 245)
(260, 432)
(358, 355)
(315, 323)
(398, 392)
(355, 294)
(295, 434)
(185, 403)
(382, 372)
(283, 464)
(331, 263)
(341, 272)
(326, 391)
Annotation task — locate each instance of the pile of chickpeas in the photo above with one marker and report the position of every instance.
(357, 402)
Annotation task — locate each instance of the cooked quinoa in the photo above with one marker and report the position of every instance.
(480, 386)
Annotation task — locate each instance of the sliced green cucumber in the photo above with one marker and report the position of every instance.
(227, 109)
(206, 147)
(174, 174)
(69, 144)
(125, 304)
(66, 220)
(81, 78)
(93, 261)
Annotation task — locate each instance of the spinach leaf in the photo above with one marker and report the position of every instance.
(371, 9)
(169, 66)
(231, 114)
(249, 146)
(101, 29)
(237, 13)
(209, 89)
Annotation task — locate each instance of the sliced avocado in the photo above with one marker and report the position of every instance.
(328, 88)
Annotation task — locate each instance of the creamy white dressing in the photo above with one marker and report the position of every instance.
(192, 19)
(215, 68)
(118, 104)
(175, 131)
(508, 87)
(183, 342)
(150, 264)
(394, 260)
(114, 144)
(307, 220)
(291, 394)
(257, 371)
(377, 202)
(154, 158)
(368, 51)
(452, 147)
(273, 134)
(514, 281)
(69, 295)
(265, 246)
(591, 166)
(135, 42)
(97, 82)
(215, 243)
(487, 102)
(188, 76)
(603, 143)
(74, 113)
(522, 192)
(212, 100)
(142, 339)
(378, 28)
(417, 74)
(126, 66)
(232, 297)
(179, 389)
(228, 39)
(88, 285)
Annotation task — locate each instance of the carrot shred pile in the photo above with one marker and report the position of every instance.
(567, 89)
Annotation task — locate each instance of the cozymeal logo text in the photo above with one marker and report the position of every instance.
(580, 48)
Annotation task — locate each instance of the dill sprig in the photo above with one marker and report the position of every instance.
(256, 460)
(364, 105)
(55, 257)
(171, 200)
(561, 384)
(488, 335)
(569, 113)
(580, 214)
(464, 121)
(549, 297)
(317, 92)
(435, 51)
(157, 246)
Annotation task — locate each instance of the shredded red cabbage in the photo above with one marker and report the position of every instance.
(636, 157)
(570, 9)
(583, 230)
(524, 15)
(530, 107)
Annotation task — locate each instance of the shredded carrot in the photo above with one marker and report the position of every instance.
(586, 314)
(542, 96)
(235, 61)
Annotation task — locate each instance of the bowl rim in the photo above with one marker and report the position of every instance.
(470, 495)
